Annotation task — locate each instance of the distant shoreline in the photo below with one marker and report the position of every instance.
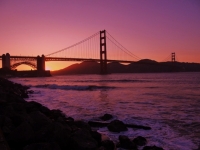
(143, 66)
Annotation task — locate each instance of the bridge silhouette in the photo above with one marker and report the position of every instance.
(100, 47)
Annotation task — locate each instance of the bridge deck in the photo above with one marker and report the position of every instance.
(31, 58)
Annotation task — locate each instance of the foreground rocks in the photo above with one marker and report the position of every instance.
(31, 126)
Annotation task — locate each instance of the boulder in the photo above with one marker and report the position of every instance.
(138, 126)
(116, 126)
(44, 134)
(39, 120)
(97, 124)
(97, 136)
(108, 145)
(56, 113)
(9, 111)
(24, 95)
(140, 141)
(125, 142)
(106, 117)
(19, 107)
(32, 106)
(152, 148)
(82, 125)
(82, 140)
(42, 146)
(62, 134)
(6, 125)
(20, 136)
(17, 119)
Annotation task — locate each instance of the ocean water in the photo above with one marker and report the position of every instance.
(167, 102)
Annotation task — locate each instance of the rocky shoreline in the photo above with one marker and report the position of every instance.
(28, 125)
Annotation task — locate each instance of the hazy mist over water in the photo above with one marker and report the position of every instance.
(167, 102)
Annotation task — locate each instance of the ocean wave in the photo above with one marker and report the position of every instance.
(74, 87)
(118, 81)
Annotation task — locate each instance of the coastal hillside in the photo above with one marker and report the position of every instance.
(142, 66)
(88, 67)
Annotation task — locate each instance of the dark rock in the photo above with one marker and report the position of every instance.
(39, 120)
(140, 141)
(97, 124)
(101, 148)
(82, 125)
(126, 143)
(42, 146)
(70, 119)
(20, 136)
(117, 126)
(106, 117)
(96, 136)
(2, 120)
(138, 126)
(32, 106)
(19, 107)
(108, 145)
(82, 140)
(56, 114)
(44, 134)
(17, 119)
(24, 95)
(9, 111)
(6, 125)
(152, 148)
(62, 134)
(45, 110)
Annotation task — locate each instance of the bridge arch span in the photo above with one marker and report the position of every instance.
(32, 65)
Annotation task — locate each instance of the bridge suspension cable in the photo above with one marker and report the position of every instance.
(76, 44)
(122, 48)
(168, 58)
(89, 49)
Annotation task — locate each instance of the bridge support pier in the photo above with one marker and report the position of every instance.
(41, 63)
(6, 61)
(103, 54)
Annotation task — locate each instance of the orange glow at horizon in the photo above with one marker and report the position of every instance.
(58, 65)
(52, 66)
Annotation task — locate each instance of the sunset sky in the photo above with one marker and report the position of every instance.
(148, 28)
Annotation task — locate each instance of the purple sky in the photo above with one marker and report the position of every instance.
(148, 28)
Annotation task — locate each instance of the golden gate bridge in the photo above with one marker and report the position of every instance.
(100, 47)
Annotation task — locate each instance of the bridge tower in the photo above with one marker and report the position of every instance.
(103, 54)
(41, 63)
(6, 61)
(173, 57)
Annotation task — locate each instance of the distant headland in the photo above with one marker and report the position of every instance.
(142, 66)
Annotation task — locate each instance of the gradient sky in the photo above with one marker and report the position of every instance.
(148, 28)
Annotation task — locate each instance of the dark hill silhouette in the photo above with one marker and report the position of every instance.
(147, 61)
(87, 67)
(116, 67)
(142, 66)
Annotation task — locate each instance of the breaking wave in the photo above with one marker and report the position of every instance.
(112, 81)
(74, 87)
